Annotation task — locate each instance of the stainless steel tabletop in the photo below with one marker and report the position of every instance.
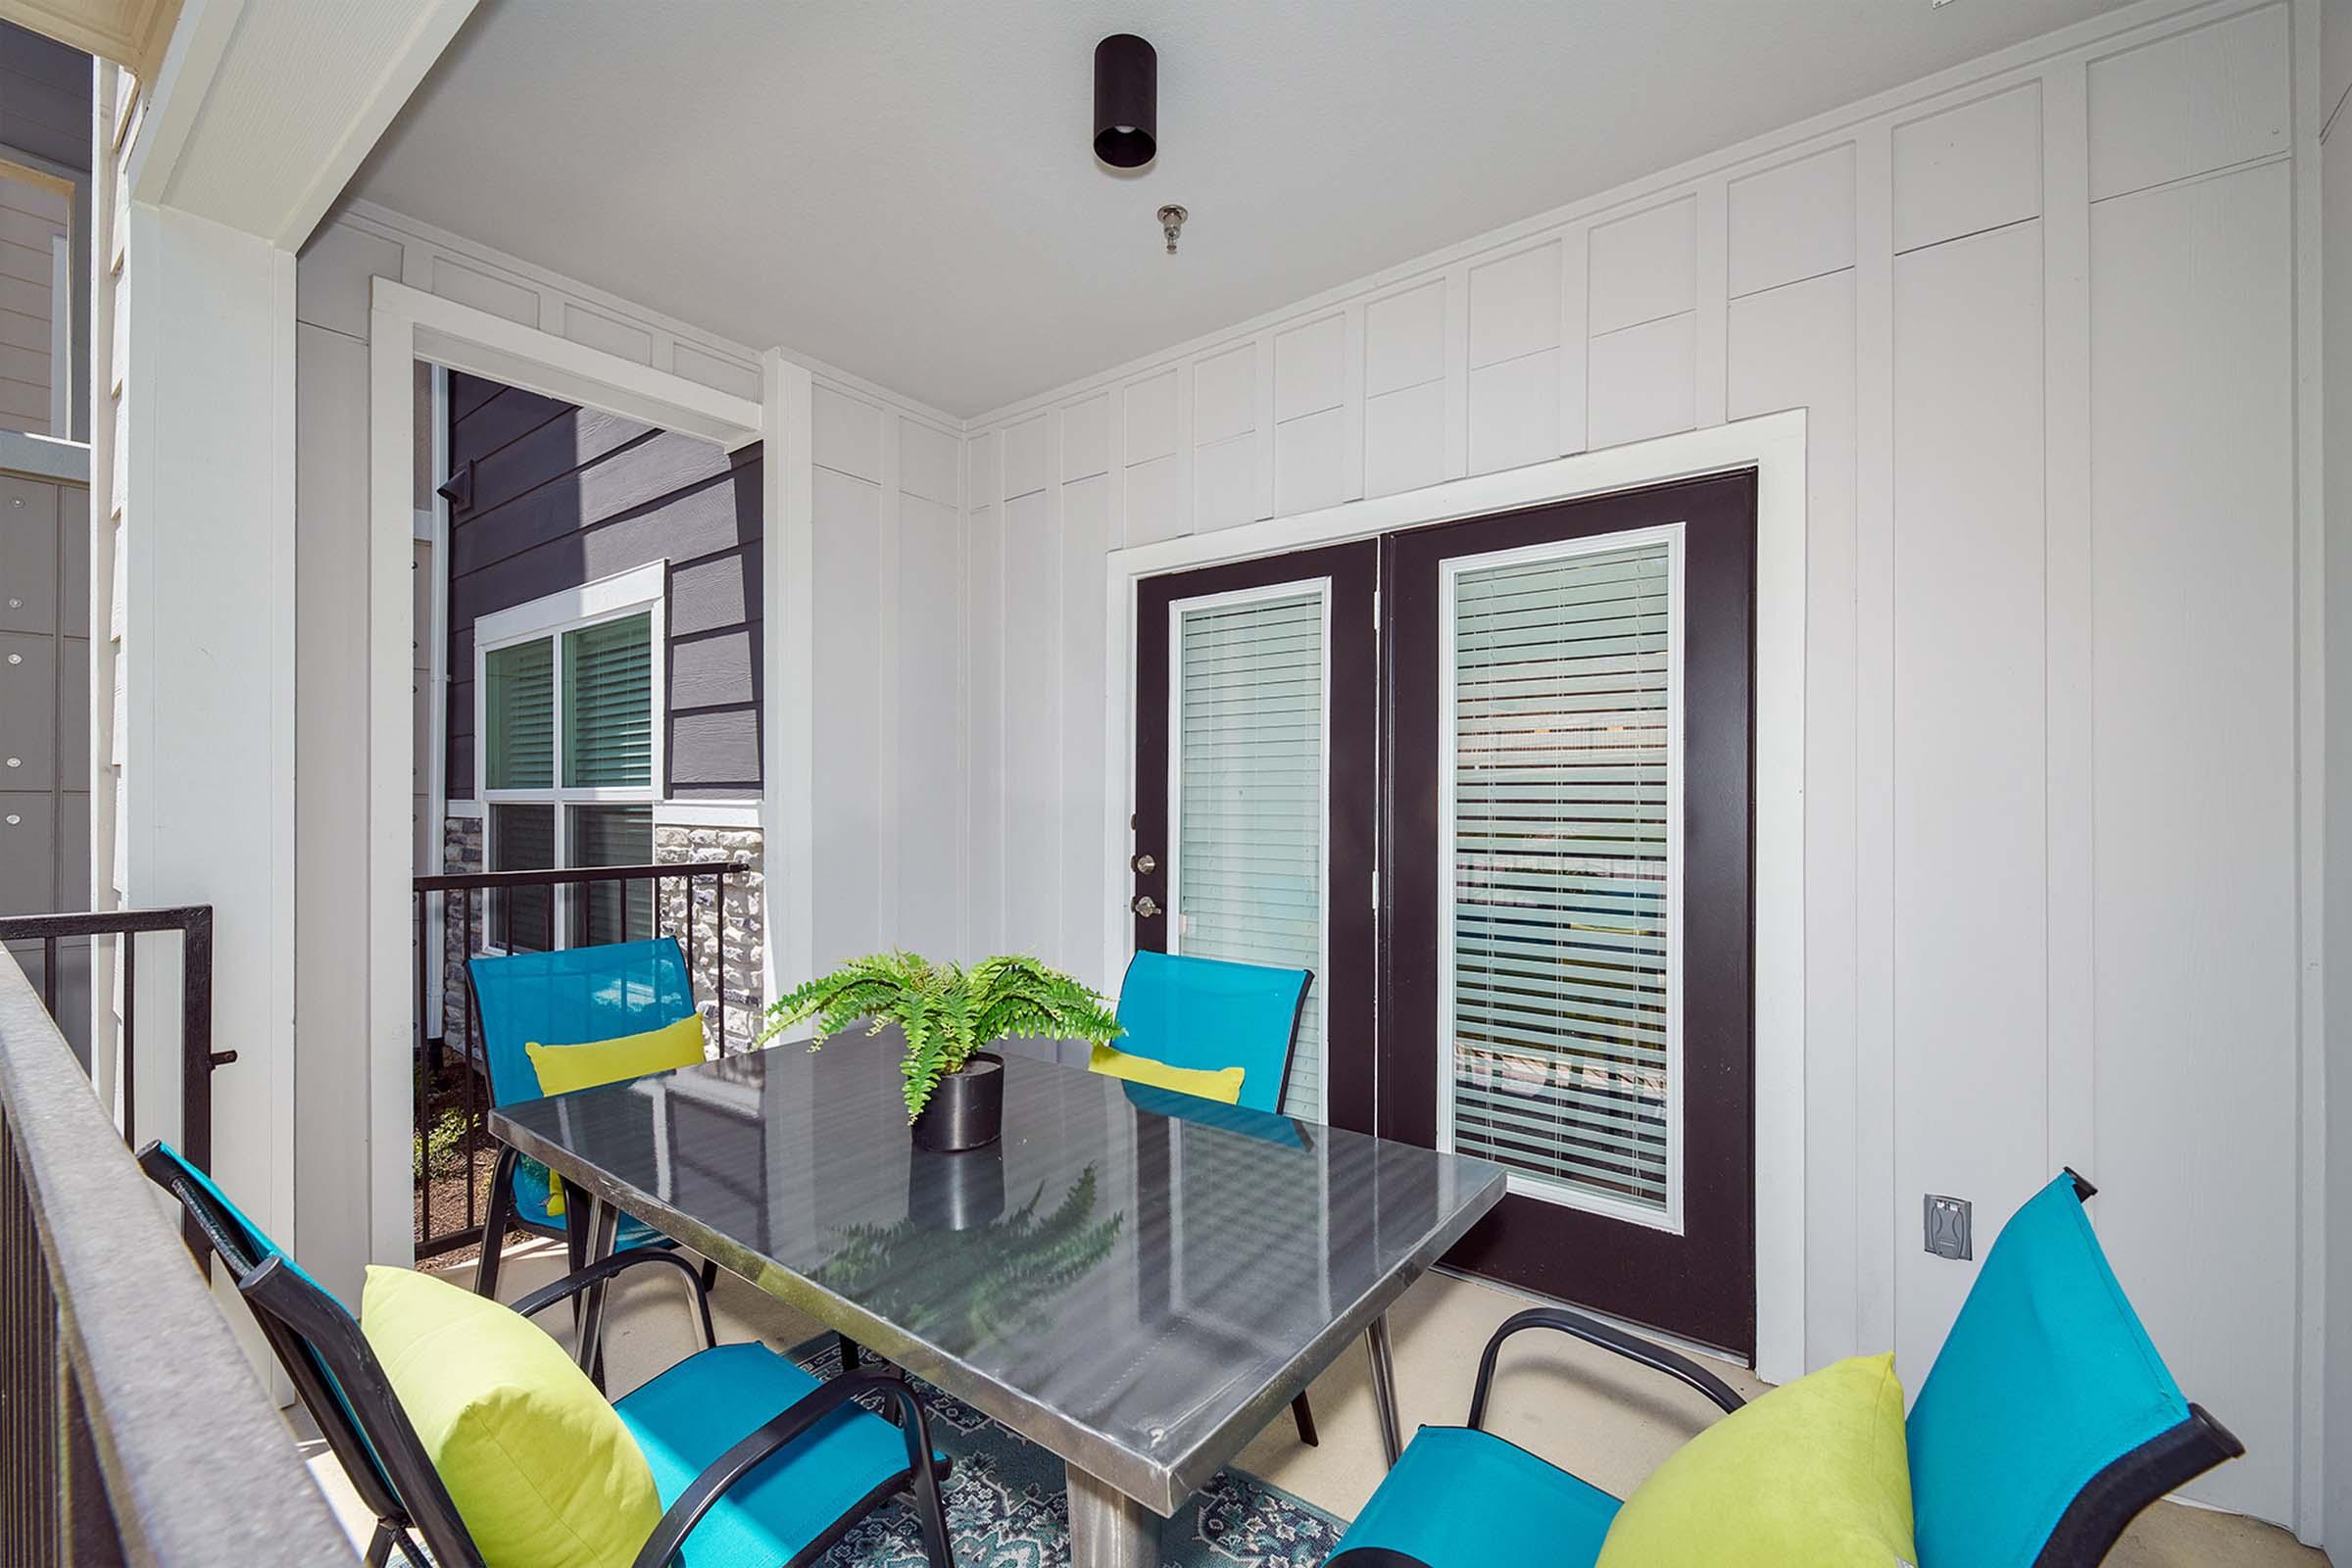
(1136, 1279)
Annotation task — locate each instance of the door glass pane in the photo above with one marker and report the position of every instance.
(609, 703)
(522, 838)
(1559, 729)
(1249, 868)
(518, 710)
(611, 912)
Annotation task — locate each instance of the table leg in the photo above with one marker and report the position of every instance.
(1109, 1529)
(602, 1222)
(1384, 1388)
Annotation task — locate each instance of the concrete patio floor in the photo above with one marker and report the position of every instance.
(1579, 1408)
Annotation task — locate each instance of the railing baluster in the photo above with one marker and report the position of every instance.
(128, 947)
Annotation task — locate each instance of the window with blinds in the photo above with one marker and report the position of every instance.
(519, 713)
(1249, 788)
(571, 766)
(1558, 939)
(609, 703)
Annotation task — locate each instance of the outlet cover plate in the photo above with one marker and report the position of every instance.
(1947, 1227)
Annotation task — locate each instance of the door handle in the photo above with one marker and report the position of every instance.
(1144, 866)
(1145, 904)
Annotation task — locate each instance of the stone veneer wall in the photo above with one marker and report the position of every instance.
(737, 932)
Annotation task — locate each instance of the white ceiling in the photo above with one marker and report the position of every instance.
(907, 190)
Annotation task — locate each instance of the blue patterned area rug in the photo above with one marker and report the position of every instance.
(1007, 1508)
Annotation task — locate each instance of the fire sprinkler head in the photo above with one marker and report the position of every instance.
(1171, 222)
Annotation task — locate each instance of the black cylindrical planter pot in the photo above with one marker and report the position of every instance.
(967, 1110)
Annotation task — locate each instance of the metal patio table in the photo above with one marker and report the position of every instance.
(1136, 1279)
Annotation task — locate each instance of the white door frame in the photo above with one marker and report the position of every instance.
(1773, 445)
(405, 325)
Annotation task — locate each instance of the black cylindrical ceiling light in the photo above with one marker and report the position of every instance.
(1126, 101)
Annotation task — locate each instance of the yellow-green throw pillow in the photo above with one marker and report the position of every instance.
(1223, 1084)
(540, 1467)
(1812, 1475)
(564, 1068)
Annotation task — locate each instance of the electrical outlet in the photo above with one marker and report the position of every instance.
(1947, 1227)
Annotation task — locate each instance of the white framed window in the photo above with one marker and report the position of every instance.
(569, 758)
(1560, 920)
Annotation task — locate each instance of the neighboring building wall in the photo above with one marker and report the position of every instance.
(2043, 313)
(2334, 1463)
(45, 133)
(561, 496)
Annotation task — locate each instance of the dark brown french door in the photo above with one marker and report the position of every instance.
(1545, 748)
(1566, 986)
(1256, 792)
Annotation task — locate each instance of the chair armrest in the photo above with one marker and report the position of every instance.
(778, 1431)
(598, 1272)
(1594, 1332)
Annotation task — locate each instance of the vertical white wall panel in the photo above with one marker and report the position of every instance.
(1643, 266)
(2193, 563)
(1515, 410)
(1086, 437)
(1225, 483)
(2190, 103)
(1024, 457)
(1310, 368)
(1405, 338)
(984, 713)
(1310, 457)
(1154, 501)
(1968, 169)
(1793, 347)
(1515, 305)
(1033, 701)
(1151, 417)
(1643, 380)
(928, 463)
(927, 710)
(849, 806)
(1087, 537)
(1793, 221)
(1969, 846)
(1404, 439)
(848, 434)
(1225, 394)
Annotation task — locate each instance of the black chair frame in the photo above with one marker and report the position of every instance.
(2085, 1534)
(360, 1415)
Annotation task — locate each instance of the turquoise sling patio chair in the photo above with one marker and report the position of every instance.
(757, 1463)
(2045, 1425)
(569, 997)
(1208, 1015)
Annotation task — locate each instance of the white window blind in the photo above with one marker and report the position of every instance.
(609, 703)
(520, 711)
(1562, 748)
(1249, 789)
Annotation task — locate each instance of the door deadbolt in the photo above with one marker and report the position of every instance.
(1144, 864)
(1146, 906)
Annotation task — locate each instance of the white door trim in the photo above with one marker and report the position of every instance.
(1773, 445)
(405, 325)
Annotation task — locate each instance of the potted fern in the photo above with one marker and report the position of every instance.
(954, 1089)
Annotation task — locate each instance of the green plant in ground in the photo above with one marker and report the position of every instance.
(441, 1149)
(944, 1010)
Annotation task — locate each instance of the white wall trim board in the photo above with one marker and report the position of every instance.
(44, 457)
(553, 294)
(1773, 445)
(707, 813)
(788, 820)
(633, 589)
(2114, 32)
(405, 324)
(460, 337)
(461, 809)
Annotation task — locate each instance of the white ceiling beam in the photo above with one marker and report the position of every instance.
(129, 32)
(262, 110)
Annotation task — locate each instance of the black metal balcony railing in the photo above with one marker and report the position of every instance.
(131, 1426)
(453, 1150)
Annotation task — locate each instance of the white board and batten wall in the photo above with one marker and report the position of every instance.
(2053, 318)
(887, 750)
